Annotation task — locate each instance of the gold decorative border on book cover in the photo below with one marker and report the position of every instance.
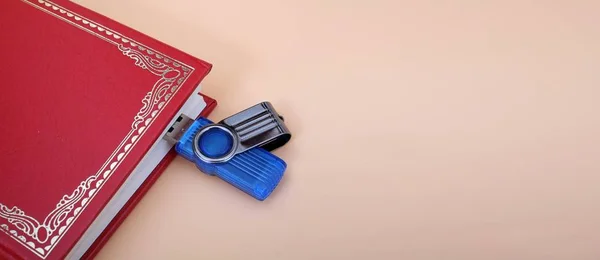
(40, 237)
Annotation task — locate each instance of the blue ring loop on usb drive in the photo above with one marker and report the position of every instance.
(215, 143)
(236, 149)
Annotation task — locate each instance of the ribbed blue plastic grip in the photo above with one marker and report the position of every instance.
(257, 172)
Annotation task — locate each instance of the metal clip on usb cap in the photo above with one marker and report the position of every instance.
(237, 148)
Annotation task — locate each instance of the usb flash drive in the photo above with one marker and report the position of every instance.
(236, 149)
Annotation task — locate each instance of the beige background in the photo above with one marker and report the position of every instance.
(423, 130)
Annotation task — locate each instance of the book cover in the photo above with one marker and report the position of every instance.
(84, 98)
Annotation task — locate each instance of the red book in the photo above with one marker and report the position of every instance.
(85, 103)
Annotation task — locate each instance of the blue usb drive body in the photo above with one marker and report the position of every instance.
(236, 149)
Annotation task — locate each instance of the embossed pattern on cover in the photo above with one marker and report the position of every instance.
(85, 98)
